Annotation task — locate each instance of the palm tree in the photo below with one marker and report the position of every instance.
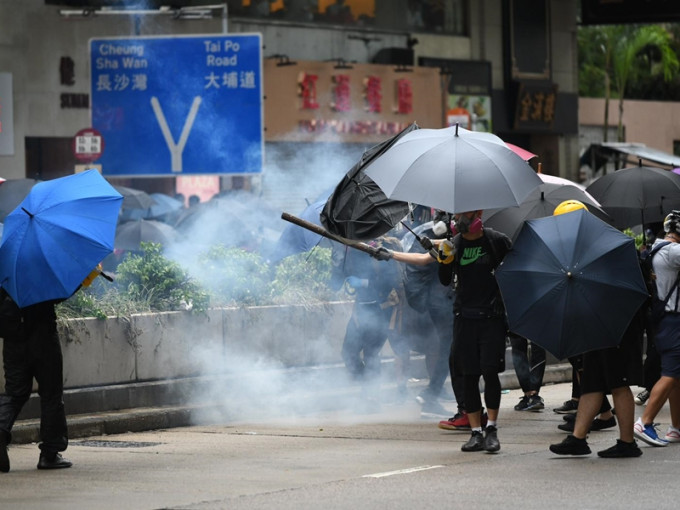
(619, 53)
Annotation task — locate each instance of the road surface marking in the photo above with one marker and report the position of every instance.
(401, 471)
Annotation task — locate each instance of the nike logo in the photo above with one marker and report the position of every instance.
(470, 255)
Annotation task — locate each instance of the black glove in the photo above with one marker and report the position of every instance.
(426, 243)
(381, 254)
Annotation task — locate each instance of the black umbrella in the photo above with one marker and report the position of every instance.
(12, 192)
(637, 195)
(358, 209)
(571, 283)
(540, 203)
(135, 198)
(130, 234)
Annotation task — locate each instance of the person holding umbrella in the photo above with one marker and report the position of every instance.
(479, 327)
(31, 349)
(611, 370)
(51, 242)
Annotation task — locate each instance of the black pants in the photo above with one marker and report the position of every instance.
(529, 366)
(37, 354)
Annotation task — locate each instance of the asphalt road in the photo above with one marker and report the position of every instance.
(392, 459)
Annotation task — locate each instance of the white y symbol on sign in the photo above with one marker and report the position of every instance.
(176, 149)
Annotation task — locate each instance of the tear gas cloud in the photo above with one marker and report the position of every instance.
(248, 379)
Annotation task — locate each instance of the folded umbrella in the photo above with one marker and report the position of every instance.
(454, 170)
(571, 283)
(56, 236)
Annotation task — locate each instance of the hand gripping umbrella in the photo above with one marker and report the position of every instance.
(637, 195)
(571, 283)
(57, 236)
(454, 170)
(358, 209)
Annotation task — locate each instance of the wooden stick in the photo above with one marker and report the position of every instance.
(359, 245)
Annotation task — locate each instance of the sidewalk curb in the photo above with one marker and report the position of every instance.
(170, 416)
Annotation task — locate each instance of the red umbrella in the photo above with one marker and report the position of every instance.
(522, 153)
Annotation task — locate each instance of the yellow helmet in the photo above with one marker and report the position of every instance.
(569, 206)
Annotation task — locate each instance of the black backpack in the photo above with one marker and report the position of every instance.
(656, 303)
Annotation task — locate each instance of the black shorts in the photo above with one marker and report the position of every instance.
(478, 345)
(615, 367)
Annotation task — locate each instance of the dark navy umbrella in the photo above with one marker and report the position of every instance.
(56, 236)
(571, 283)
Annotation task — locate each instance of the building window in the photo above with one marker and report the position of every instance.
(676, 147)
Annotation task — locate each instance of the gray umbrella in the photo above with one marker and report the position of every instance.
(135, 198)
(12, 192)
(454, 170)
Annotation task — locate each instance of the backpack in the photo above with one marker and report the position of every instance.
(657, 304)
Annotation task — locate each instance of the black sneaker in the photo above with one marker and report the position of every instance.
(599, 424)
(535, 403)
(53, 461)
(523, 403)
(491, 442)
(621, 450)
(475, 443)
(567, 426)
(571, 446)
(569, 407)
(642, 397)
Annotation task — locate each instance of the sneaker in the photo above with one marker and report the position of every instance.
(621, 450)
(459, 422)
(535, 403)
(491, 442)
(648, 434)
(433, 409)
(599, 424)
(475, 443)
(567, 426)
(569, 407)
(523, 403)
(672, 435)
(571, 446)
(642, 397)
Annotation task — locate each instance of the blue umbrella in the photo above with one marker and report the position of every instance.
(571, 283)
(56, 236)
(295, 239)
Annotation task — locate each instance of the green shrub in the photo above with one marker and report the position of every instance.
(162, 283)
(234, 276)
(304, 278)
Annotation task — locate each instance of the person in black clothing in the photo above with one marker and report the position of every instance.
(31, 349)
(479, 326)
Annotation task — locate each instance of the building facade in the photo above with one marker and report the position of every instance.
(337, 76)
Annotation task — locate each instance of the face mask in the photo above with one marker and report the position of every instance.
(464, 225)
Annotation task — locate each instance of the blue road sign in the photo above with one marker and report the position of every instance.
(178, 105)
